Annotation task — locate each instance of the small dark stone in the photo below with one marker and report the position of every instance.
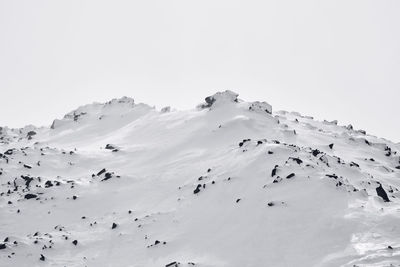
(107, 176)
(42, 258)
(315, 152)
(290, 176)
(274, 170)
(237, 200)
(297, 160)
(114, 225)
(101, 172)
(354, 164)
(75, 242)
(29, 196)
(3, 246)
(74, 197)
(48, 184)
(270, 204)
(390, 247)
(156, 242)
(331, 146)
(197, 190)
(110, 147)
(382, 193)
(27, 166)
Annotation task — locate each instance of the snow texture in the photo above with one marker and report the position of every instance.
(230, 183)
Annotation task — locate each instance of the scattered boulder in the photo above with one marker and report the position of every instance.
(110, 147)
(197, 190)
(274, 170)
(3, 246)
(290, 176)
(107, 176)
(382, 193)
(331, 146)
(48, 184)
(297, 160)
(29, 196)
(101, 172)
(27, 166)
(30, 134)
(172, 264)
(114, 225)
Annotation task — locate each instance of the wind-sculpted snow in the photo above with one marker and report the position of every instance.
(229, 183)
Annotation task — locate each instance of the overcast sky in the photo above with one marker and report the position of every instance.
(329, 59)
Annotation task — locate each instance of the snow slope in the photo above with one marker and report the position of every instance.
(229, 183)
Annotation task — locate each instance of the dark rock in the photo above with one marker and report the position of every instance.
(197, 190)
(27, 166)
(390, 247)
(334, 176)
(172, 264)
(156, 242)
(290, 176)
(75, 242)
(9, 152)
(48, 184)
(110, 147)
(74, 197)
(42, 258)
(382, 193)
(270, 204)
(274, 170)
(315, 152)
(29, 196)
(114, 225)
(107, 176)
(30, 134)
(101, 172)
(237, 200)
(298, 161)
(3, 246)
(243, 142)
(352, 164)
(331, 146)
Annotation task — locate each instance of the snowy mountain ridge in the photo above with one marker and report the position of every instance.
(229, 183)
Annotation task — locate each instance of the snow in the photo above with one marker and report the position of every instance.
(327, 214)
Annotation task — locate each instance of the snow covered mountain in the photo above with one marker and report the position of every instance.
(229, 183)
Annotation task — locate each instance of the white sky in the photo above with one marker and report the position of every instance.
(329, 59)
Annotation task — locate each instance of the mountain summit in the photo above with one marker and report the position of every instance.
(228, 183)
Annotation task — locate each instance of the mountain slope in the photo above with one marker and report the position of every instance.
(230, 183)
